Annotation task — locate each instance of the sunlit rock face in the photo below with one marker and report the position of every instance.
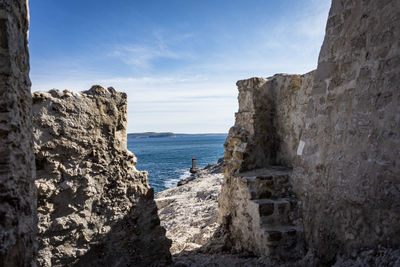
(349, 174)
(94, 207)
(189, 211)
(17, 164)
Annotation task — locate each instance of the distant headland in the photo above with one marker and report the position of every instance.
(151, 135)
(165, 134)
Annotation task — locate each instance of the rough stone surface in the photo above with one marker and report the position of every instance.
(373, 257)
(17, 166)
(266, 220)
(94, 207)
(383, 257)
(269, 122)
(189, 212)
(221, 260)
(349, 174)
(258, 208)
(347, 114)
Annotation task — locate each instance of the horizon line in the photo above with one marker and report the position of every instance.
(174, 132)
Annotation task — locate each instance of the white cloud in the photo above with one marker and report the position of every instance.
(143, 55)
(179, 104)
(200, 96)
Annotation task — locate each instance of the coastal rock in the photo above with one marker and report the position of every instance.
(189, 212)
(94, 207)
(209, 169)
(17, 164)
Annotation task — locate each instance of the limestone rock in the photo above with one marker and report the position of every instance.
(94, 207)
(17, 165)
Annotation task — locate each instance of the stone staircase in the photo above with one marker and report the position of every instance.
(271, 212)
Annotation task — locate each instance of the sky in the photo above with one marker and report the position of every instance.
(177, 60)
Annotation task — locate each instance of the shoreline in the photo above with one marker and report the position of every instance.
(189, 211)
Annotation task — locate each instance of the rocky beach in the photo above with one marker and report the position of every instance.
(189, 212)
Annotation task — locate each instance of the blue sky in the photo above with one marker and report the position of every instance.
(178, 60)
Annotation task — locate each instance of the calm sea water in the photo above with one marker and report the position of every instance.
(168, 159)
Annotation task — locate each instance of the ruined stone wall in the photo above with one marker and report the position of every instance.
(349, 174)
(94, 207)
(269, 122)
(267, 131)
(248, 140)
(17, 168)
(291, 94)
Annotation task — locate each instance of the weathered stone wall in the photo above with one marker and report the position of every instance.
(269, 122)
(17, 165)
(292, 93)
(349, 174)
(347, 178)
(94, 207)
(248, 142)
(267, 129)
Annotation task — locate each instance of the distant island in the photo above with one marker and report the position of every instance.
(165, 134)
(151, 135)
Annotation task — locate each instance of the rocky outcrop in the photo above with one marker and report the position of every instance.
(349, 174)
(94, 207)
(213, 168)
(189, 212)
(17, 165)
(258, 207)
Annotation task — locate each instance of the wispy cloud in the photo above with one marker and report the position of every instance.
(141, 56)
(290, 45)
(173, 85)
(144, 55)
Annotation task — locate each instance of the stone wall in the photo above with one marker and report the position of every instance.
(291, 94)
(94, 207)
(347, 177)
(17, 168)
(349, 174)
(257, 200)
(269, 122)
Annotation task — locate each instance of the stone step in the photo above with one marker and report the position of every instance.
(271, 182)
(277, 233)
(272, 187)
(273, 212)
(283, 241)
(273, 209)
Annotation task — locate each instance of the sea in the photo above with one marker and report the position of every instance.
(168, 159)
